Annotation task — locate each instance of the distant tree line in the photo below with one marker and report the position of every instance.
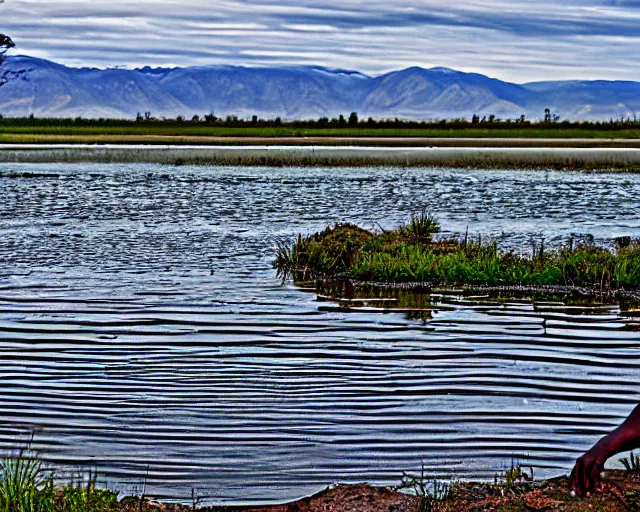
(550, 120)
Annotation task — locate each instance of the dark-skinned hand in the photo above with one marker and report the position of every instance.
(585, 477)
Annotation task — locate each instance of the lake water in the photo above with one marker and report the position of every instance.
(144, 333)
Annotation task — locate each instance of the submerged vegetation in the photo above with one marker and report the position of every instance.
(410, 254)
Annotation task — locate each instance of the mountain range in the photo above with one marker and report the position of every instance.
(35, 86)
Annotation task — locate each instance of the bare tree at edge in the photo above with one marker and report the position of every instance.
(5, 44)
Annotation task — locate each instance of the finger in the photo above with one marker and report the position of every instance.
(578, 479)
(593, 474)
(584, 479)
(574, 479)
(588, 472)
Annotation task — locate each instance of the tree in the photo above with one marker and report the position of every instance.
(547, 116)
(5, 44)
(353, 119)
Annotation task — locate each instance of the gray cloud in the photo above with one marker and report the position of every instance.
(510, 39)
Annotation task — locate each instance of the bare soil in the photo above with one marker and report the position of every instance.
(622, 494)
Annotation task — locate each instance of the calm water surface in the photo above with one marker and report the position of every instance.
(144, 332)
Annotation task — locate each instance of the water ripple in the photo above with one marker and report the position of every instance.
(143, 331)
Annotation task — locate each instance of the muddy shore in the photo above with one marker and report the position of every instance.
(621, 493)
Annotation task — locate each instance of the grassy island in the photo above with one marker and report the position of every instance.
(412, 254)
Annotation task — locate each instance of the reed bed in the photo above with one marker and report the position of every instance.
(273, 128)
(527, 158)
(27, 485)
(410, 254)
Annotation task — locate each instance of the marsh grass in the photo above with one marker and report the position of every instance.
(431, 492)
(326, 156)
(98, 127)
(408, 254)
(77, 498)
(516, 476)
(27, 485)
(632, 463)
(420, 228)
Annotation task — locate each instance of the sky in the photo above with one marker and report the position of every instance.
(515, 40)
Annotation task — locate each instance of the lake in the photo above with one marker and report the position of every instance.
(143, 331)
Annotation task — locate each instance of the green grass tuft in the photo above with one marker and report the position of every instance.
(408, 254)
(26, 485)
(631, 463)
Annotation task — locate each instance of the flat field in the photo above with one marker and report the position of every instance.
(39, 131)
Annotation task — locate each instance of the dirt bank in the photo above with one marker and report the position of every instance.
(622, 494)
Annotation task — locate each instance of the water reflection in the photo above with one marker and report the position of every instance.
(143, 330)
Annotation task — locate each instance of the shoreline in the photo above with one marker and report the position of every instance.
(577, 158)
(516, 491)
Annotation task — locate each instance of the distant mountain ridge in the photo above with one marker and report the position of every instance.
(46, 89)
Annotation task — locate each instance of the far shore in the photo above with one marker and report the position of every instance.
(358, 141)
(525, 156)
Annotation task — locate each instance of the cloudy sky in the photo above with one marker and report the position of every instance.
(517, 40)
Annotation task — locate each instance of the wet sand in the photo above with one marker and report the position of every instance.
(591, 158)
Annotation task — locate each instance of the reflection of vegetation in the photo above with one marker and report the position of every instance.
(415, 304)
(409, 255)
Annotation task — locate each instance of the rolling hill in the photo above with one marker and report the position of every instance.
(46, 89)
